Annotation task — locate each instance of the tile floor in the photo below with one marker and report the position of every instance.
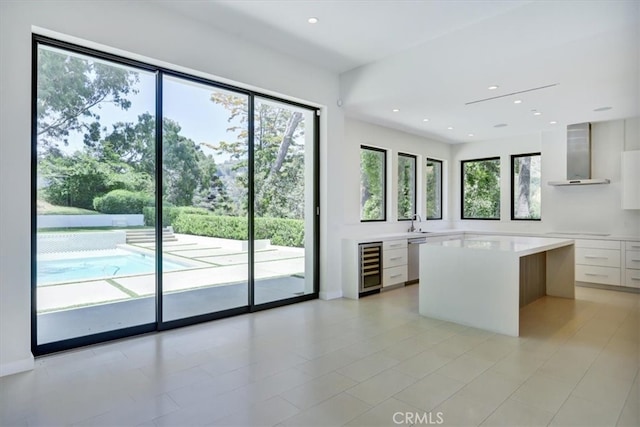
(372, 362)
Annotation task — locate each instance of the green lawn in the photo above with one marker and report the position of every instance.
(45, 208)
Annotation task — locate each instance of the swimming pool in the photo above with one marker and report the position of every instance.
(96, 267)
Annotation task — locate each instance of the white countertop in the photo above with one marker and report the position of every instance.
(449, 232)
(520, 245)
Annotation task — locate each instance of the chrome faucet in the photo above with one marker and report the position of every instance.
(412, 228)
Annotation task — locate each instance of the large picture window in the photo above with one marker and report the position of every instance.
(161, 199)
(434, 189)
(406, 186)
(373, 171)
(525, 187)
(481, 188)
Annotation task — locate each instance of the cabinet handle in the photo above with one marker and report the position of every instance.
(595, 275)
(396, 245)
(394, 276)
(395, 258)
(635, 246)
(635, 278)
(635, 260)
(596, 257)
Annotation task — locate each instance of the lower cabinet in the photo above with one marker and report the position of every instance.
(632, 264)
(598, 261)
(394, 262)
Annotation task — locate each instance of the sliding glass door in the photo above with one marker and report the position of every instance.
(284, 209)
(162, 199)
(205, 199)
(94, 175)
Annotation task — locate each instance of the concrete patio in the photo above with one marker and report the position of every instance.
(214, 278)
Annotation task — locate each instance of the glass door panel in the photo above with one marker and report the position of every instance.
(284, 211)
(95, 175)
(204, 199)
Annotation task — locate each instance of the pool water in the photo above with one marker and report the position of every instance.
(76, 269)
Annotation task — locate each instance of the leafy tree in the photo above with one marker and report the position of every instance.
(181, 174)
(406, 177)
(133, 144)
(434, 196)
(77, 179)
(371, 184)
(481, 181)
(70, 87)
(278, 156)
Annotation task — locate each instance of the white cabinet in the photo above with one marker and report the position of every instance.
(394, 262)
(600, 257)
(631, 179)
(598, 261)
(632, 264)
(394, 257)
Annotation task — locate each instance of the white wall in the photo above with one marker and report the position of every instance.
(359, 133)
(142, 31)
(590, 208)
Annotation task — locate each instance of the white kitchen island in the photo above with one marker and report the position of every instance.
(483, 281)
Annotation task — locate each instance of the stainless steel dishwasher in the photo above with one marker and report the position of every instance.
(413, 273)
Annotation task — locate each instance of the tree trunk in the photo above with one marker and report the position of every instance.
(287, 137)
(524, 181)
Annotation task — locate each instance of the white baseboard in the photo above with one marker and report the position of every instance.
(17, 366)
(330, 295)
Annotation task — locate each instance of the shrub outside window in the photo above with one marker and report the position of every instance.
(373, 170)
(525, 187)
(434, 189)
(481, 189)
(406, 186)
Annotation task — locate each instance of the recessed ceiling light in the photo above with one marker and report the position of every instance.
(395, 110)
(553, 122)
(450, 128)
(537, 113)
(494, 87)
(518, 101)
(470, 134)
(602, 109)
(425, 120)
(312, 20)
(500, 125)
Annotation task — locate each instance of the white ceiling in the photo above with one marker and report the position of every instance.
(429, 58)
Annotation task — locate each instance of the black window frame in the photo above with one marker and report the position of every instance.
(462, 163)
(160, 324)
(384, 183)
(415, 185)
(513, 158)
(428, 218)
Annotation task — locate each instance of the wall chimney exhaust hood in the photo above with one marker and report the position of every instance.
(579, 157)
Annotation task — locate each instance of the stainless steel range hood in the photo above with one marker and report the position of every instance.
(579, 157)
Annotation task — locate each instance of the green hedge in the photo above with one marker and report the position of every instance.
(122, 202)
(281, 232)
(169, 214)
